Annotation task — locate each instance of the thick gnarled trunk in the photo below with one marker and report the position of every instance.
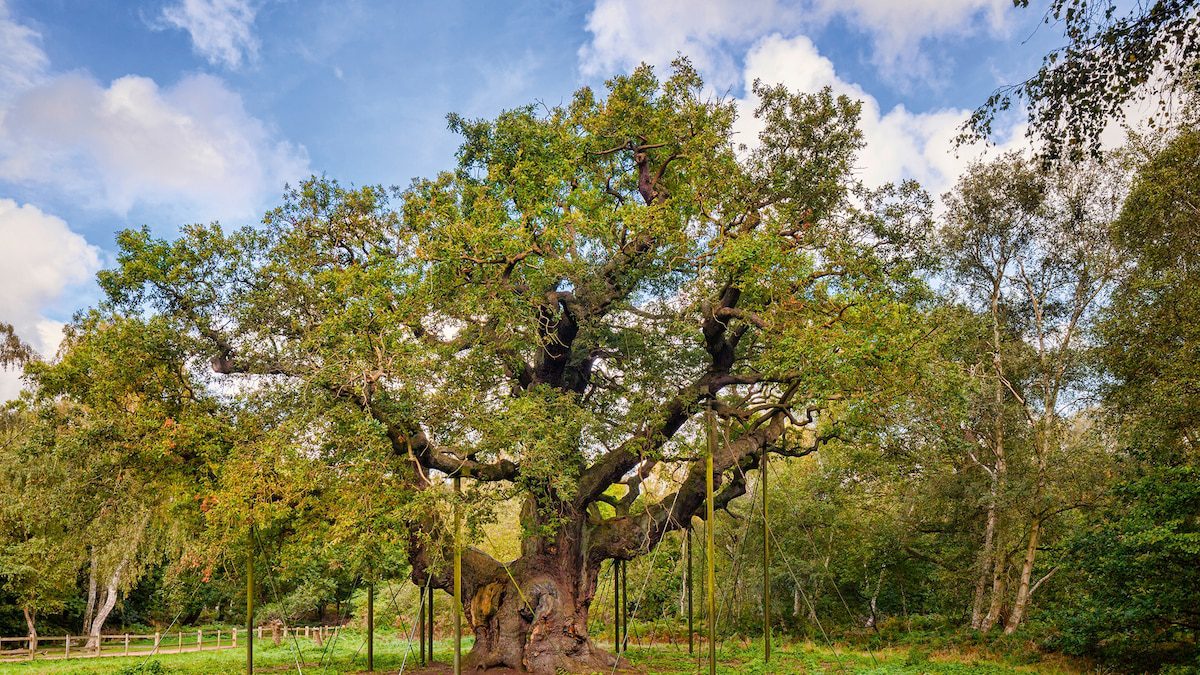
(531, 614)
(535, 617)
(535, 621)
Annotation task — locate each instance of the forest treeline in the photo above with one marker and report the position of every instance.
(984, 409)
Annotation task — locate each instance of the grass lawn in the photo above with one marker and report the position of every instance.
(348, 655)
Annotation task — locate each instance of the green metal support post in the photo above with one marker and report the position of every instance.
(457, 577)
(429, 618)
(371, 628)
(421, 622)
(250, 604)
(624, 606)
(691, 629)
(616, 569)
(710, 559)
(766, 565)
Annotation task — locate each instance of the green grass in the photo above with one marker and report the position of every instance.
(348, 655)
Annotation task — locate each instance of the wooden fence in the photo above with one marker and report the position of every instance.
(131, 644)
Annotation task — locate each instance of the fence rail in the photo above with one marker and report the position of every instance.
(132, 644)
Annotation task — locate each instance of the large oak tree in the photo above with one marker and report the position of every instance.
(550, 320)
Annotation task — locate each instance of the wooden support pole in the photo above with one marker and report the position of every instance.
(68, 654)
(127, 644)
(250, 605)
(457, 576)
(690, 613)
(421, 623)
(371, 628)
(710, 558)
(766, 563)
(180, 648)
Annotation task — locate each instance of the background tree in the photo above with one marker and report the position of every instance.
(1138, 586)
(39, 553)
(1111, 60)
(119, 413)
(13, 350)
(1031, 250)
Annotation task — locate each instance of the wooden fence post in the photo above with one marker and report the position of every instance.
(200, 640)
(218, 638)
(68, 655)
(233, 640)
(156, 639)
(127, 644)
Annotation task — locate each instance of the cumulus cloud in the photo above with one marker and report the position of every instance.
(222, 31)
(22, 61)
(189, 149)
(901, 144)
(713, 33)
(40, 260)
(897, 29)
(192, 145)
(626, 33)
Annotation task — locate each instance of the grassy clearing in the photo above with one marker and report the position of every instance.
(348, 655)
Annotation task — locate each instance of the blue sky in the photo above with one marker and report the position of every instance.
(164, 112)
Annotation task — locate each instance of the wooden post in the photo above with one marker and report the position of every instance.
(421, 622)
(233, 639)
(180, 647)
(710, 559)
(200, 640)
(691, 630)
(127, 644)
(457, 577)
(766, 561)
(157, 637)
(68, 654)
(371, 627)
(218, 638)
